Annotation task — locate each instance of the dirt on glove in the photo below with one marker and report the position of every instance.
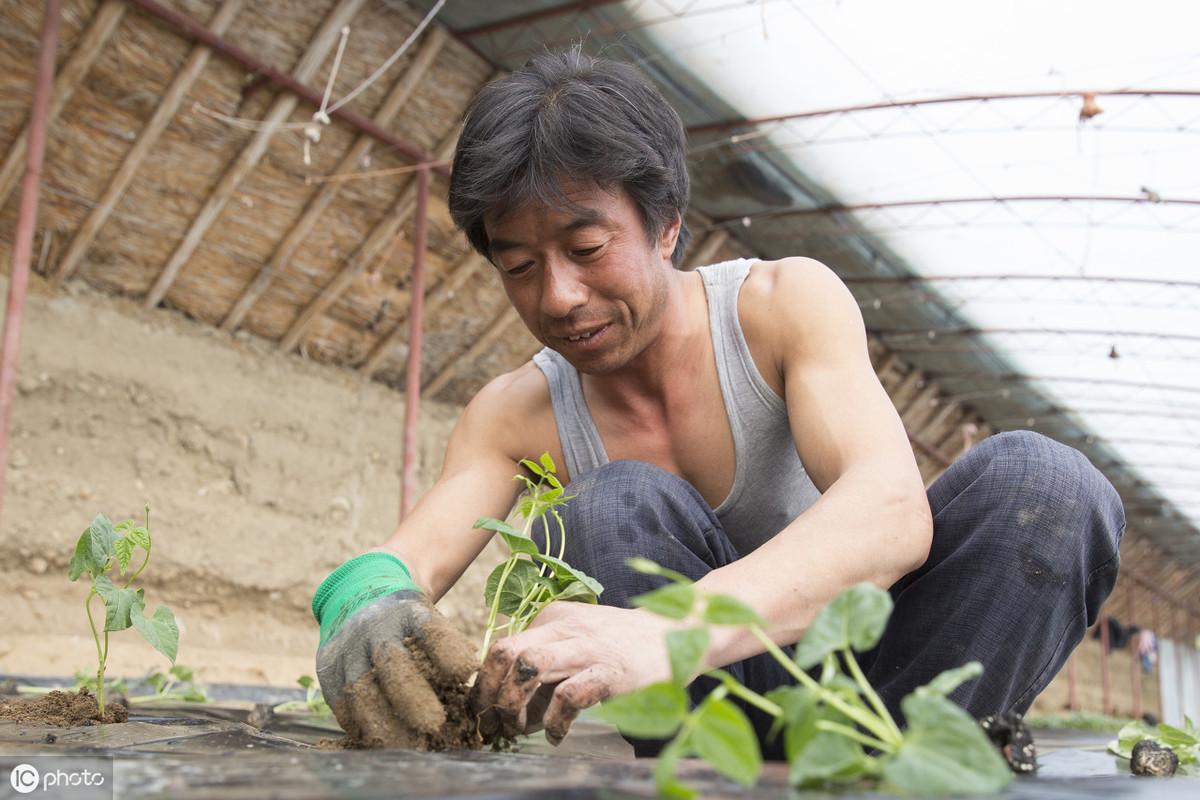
(63, 709)
(414, 698)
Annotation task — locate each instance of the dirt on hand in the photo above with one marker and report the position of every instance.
(63, 709)
(414, 697)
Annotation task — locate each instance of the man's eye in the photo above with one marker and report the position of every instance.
(588, 251)
(520, 268)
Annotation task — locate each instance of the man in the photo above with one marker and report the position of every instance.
(725, 423)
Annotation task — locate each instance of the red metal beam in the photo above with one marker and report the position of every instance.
(1135, 667)
(416, 313)
(1105, 675)
(197, 32)
(929, 101)
(533, 16)
(22, 251)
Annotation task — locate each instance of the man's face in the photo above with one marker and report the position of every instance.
(586, 281)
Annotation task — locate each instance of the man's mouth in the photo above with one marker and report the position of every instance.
(579, 337)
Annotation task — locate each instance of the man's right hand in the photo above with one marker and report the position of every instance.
(384, 652)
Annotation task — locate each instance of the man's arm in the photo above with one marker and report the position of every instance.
(437, 540)
(872, 522)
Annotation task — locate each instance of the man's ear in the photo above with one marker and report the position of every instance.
(669, 236)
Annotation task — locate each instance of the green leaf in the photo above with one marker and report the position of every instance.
(1127, 737)
(724, 609)
(817, 757)
(944, 752)
(123, 548)
(160, 630)
(517, 542)
(158, 681)
(686, 649)
(563, 570)
(951, 679)
(118, 603)
(648, 567)
(195, 695)
(547, 463)
(854, 619)
(574, 590)
(102, 537)
(664, 771)
(140, 536)
(654, 711)
(675, 600)
(724, 737)
(306, 681)
(798, 704)
(533, 467)
(522, 580)
(1174, 737)
(182, 674)
(81, 562)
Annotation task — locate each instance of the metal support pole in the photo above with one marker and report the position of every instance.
(1105, 677)
(1072, 683)
(1135, 666)
(22, 252)
(1179, 663)
(412, 382)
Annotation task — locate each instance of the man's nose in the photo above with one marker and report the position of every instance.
(562, 290)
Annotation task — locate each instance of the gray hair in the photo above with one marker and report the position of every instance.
(568, 116)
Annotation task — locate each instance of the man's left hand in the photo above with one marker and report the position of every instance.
(574, 656)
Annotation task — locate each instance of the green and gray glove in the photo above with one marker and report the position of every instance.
(385, 652)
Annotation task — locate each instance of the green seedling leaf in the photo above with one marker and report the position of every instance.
(664, 771)
(724, 737)
(1127, 737)
(648, 567)
(675, 600)
(564, 571)
(81, 561)
(158, 681)
(306, 681)
(547, 463)
(854, 619)
(944, 752)
(117, 603)
(533, 467)
(139, 536)
(1174, 737)
(686, 648)
(103, 539)
(522, 579)
(951, 679)
(517, 542)
(724, 609)
(123, 548)
(160, 630)
(195, 695)
(654, 711)
(182, 674)
(574, 590)
(819, 757)
(797, 702)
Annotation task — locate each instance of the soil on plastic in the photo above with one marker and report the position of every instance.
(412, 719)
(63, 709)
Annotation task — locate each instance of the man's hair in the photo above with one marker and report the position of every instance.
(567, 116)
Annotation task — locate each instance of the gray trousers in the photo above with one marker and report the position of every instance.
(1024, 553)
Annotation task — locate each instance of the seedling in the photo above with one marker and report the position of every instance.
(176, 684)
(1184, 742)
(102, 547)
(836, 729)
(313, 702)
(531, 579)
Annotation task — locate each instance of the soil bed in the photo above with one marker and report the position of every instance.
(63, 709)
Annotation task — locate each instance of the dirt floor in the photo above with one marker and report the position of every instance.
(263, 472)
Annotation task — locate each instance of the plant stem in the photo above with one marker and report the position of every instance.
(846, 730)
(100, 654)
(867, 720)
(562, 536)
(495, 609)
(869, 692)
(752, 697)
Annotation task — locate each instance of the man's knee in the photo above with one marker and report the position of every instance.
(1051, 499)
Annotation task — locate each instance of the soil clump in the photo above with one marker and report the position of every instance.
(63, 710)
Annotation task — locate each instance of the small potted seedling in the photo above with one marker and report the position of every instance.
(106, 548)
(532, 578)
(836, 730)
